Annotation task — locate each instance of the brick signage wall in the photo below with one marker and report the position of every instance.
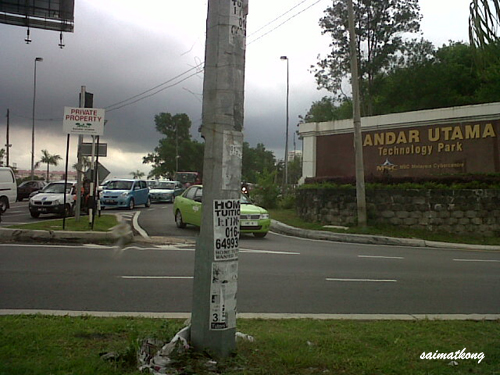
(415, 151)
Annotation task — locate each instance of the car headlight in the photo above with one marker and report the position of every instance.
(56, 202)
(124, 194)
(264, 216)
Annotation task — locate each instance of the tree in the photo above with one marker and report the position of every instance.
(484, 20)
(137, 174)
(176, 151)
(255, 161)
(327, 109)
(49, 160)
(379, 29)
(445, 77)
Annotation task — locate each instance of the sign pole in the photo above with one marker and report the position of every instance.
(79, 163)
(213, 321)
(65, 181)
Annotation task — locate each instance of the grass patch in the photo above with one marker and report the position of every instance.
(101, 224)
(289, 217)
(41, 345)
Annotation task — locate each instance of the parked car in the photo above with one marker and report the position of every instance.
(50, 200)
(165, 191)
(125, 193)
(187, 210)
(27, 187)
(8, 188)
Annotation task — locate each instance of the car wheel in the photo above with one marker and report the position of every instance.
(148, 202)
(131, 204)
(260, 234)
(4, 203)
(35, 215)
(178, 220)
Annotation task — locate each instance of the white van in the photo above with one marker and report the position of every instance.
(8, 188)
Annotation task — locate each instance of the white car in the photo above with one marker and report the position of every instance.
(50, 200)
(165, 191)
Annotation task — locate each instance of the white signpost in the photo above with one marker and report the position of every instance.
(83, 121)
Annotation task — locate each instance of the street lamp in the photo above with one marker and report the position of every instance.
(33, 124)
(285, 180)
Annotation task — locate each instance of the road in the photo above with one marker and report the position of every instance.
(277, 274)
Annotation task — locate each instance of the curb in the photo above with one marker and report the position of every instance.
(281, 228)
(121, 231)
(265, 316)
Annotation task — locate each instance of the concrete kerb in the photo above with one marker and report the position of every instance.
(279, 227)
(267, 316)
(121, 231)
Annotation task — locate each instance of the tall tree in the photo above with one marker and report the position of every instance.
(49, 160)
(380, 26)
(176, 150)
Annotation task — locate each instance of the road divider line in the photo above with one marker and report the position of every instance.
(478, 260)
(378, 257)
(137, 227)
(157, 277)
(362, 280)
(268, 252)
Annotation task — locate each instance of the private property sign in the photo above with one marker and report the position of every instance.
(83, 121)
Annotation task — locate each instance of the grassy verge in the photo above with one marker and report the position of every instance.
(289, 217)
(41, 345)
(102, 224)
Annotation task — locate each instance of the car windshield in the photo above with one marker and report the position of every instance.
(245, 200)
(57, 189)
(119, 185)
(165, 185)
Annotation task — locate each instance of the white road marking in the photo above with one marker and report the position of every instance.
(363, 280)
(378, 257)
(157, 277)
(268, 252)
(477, 260)
(137, 227)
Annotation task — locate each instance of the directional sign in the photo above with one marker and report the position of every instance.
(102, 173)
(83, 121)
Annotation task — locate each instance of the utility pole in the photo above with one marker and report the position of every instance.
(7, 144)
(358, 145)
(213, 321)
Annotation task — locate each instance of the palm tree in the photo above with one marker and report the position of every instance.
(137, 174)
(49, 160)
(484, 22)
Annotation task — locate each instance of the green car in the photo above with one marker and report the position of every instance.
(187, 210)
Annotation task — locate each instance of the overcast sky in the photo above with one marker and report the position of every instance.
(122, 48)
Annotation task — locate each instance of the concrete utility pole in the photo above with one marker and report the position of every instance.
(213, 321)
(358, 144)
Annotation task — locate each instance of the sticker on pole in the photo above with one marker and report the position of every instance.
(226, 228)
(223, 295)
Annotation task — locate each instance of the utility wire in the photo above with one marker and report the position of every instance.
(152, 92)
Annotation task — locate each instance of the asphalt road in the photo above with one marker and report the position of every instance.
(277, 274)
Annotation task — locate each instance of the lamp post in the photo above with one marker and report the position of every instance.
(33, 124)
(285, 180)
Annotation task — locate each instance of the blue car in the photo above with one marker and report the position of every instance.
(125, 193)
